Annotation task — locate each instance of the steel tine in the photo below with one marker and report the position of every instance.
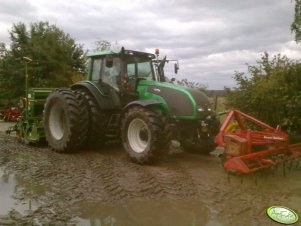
(273, 169)
(254, 177)
(265, 175)
(298, 161)
(290, 166)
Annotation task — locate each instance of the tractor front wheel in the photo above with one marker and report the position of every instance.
(142, 130)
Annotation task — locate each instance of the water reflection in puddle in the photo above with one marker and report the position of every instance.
(144, 213)
(132, 212)
(9, 187)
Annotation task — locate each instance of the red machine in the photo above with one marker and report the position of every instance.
(11, 114)
(251, 145)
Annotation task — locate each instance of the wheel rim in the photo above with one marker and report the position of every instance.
(138, 135)
(57, 121)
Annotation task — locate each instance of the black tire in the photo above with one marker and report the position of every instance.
(143, 134)
(203, 146)
(62, 116)
(97, 122)
(84, 117)
(166, 133)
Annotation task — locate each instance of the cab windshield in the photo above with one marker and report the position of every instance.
(137, 67)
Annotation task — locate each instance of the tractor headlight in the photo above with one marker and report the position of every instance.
(204, 109)
(200, 109)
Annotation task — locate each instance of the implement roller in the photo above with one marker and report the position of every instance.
(251, 145)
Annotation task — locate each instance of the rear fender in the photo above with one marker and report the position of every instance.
(103, 98)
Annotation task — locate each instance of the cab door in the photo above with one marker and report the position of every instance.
(130, 93)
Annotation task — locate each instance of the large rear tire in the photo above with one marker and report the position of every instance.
(97, 122)
(142, 131)
(62, 117)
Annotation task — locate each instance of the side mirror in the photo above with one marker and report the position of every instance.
(176, 68)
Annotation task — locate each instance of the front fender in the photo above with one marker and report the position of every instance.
(142, 103)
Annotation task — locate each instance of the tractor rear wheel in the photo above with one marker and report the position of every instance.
(97, 120)
(62, 117)
(141, 131)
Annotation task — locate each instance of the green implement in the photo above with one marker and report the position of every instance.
(29, 126)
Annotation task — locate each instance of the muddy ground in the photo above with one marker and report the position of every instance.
(102, 187)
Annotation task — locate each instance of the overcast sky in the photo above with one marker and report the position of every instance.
(211, 38)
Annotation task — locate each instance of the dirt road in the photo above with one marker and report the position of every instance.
(102, 187)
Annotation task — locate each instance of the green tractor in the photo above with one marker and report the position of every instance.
(126, 96)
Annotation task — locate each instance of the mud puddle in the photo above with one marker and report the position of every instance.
(18, 206)
(145, 213)
(40, 187)
(7, 184)
(11, 186)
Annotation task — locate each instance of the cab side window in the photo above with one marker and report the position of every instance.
(145, 70)
(111, 72)
(96, 69)
(142, 70)
(131, 70)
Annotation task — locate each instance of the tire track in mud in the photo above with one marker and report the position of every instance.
(175, 181)
(101, 177)
(121, 179)
(154, 182)
(98, 176)
(138, 180)
(107, 177)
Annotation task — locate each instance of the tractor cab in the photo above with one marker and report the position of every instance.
(121, 70)
(118, 73)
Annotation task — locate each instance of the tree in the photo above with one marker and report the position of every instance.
(11, 77)
(57, 59)
(190, 84)
(296, 24)
(270, 92)
(103, 45)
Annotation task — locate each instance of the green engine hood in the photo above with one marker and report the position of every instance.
(178, 101)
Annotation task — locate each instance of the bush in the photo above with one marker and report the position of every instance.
(271, 92)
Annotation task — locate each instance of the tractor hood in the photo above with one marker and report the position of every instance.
(179, 101)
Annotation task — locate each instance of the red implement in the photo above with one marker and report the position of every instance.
(11, 114)
(251, 145)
